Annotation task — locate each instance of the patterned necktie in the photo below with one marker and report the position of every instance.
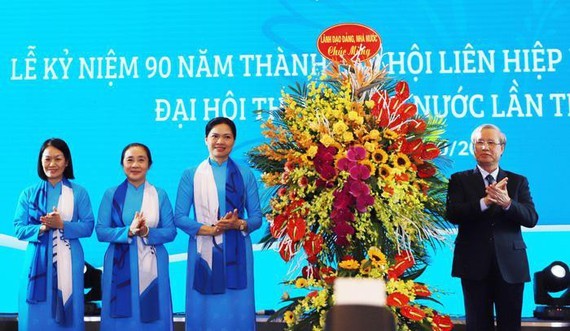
(490, 179)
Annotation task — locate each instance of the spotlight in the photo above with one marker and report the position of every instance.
(552, 279)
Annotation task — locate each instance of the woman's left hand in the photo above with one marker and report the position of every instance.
(52, 220)
(229, 221)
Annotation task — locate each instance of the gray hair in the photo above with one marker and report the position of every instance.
(477, 132)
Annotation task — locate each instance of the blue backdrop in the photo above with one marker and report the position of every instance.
(102, 74)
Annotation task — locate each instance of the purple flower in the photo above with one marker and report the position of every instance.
(342, 215)
(326, 171)
(363, 202)
(359, 189)
(345, 164)
(325, 154)
(356, 153)
(341, 230)
(324, 162)
(343, 198)
(359, 172)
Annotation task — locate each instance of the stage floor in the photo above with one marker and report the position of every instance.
(9, 322)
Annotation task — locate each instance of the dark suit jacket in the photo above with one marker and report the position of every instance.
(482, 236)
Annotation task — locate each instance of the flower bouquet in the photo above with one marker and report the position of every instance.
(356, 191)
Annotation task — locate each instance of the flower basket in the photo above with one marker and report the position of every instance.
(356, 191)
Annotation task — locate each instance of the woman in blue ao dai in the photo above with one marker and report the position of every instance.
(136, 219)
(51, 216)
(225, 200)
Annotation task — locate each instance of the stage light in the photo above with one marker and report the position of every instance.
(551, 280)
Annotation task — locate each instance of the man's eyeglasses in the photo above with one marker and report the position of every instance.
(488, 143)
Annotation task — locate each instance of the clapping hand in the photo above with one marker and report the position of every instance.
(497, 193)
(229, 221)
(138, 223)
(52, 220)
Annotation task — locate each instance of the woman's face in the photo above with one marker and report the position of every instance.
(135, 165)
(220, 142)
(53, 163)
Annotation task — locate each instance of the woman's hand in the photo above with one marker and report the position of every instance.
(43, 228)
(137, 224)
(215, 231)
(52, 220)
(229, 221)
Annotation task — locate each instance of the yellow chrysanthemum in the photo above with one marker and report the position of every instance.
(376, 256)
(340, 128)
(327, 140)
(349, 265)
(370, 146)
(348, 137)
(379, 156)
(401, 161)
(355, 117)
(352, 115)
(374, 134)
(301, 282)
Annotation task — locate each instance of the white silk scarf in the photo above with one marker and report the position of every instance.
(62, 247)
(147, 253)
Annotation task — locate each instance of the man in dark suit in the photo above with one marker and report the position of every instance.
(490, 205)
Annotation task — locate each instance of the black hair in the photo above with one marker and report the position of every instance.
(221, 120)
(62, 146)
(143, 146)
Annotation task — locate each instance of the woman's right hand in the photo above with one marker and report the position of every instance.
(229, 221)
(138, 222)
(43, 228)
(209, 230)
(216, 231)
